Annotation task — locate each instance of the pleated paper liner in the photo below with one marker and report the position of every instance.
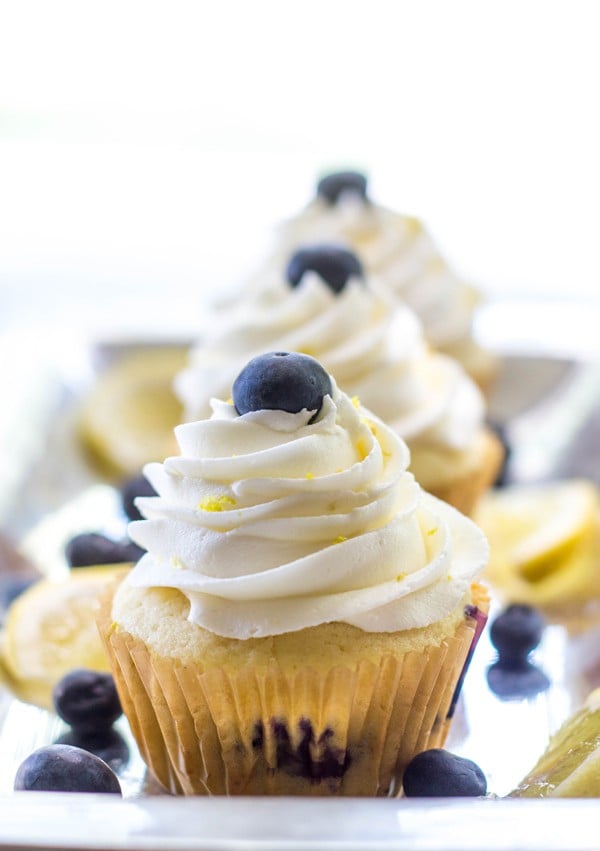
(203, 730)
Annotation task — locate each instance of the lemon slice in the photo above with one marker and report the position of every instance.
(51, 629)
(570, 766)
(129, 417)
(544, 540)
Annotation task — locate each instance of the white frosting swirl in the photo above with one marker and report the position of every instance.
(269, 524)
(374, 349)
(398, 250)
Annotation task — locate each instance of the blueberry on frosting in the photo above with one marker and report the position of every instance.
(281, 381)
(331, 186)
(332, 262)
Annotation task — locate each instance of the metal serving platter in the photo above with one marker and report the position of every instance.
(549, 406)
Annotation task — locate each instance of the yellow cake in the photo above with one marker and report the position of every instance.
(304, 612)
(329, 709)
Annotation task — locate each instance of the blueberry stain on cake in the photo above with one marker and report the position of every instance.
(281, 381)
(333, 263)
(331, 187)
(312, 757)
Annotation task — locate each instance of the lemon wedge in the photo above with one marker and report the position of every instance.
(570, 766)
(544, 540)
(129, 417)
(51, 629)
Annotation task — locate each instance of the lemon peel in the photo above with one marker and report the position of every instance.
(51, 629)
(570, 765)
(130, 415)
(544, 541)
(216, 503)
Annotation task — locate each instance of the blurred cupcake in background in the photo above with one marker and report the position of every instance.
(402, 256)
(324, 306)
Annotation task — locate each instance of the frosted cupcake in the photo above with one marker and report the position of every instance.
(401, 253)
(305, 611)
(323, 306)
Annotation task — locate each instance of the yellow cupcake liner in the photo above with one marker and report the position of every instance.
(205, 730)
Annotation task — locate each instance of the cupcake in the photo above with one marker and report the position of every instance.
(403, 256)
(326, 307)
(304, 613)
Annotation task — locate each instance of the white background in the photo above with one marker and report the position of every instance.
(147, 149)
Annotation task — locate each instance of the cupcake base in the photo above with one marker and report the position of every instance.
(289, 729)
(464, 491)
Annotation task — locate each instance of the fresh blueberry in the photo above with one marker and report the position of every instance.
(281, 381)
(333, 263)
(438, 773)
(331, 186)
(63, 768)
(87, 700)
(91, 549)
(501, 432)
(516, 632)
(132, 488)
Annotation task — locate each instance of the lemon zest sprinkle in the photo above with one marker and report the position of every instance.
(432, 531)
(176, 563)
(340, 539)
(310, 475)
(400, 577)
(362, 448)
(216, 503)
(356, 401)
(229, 401)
